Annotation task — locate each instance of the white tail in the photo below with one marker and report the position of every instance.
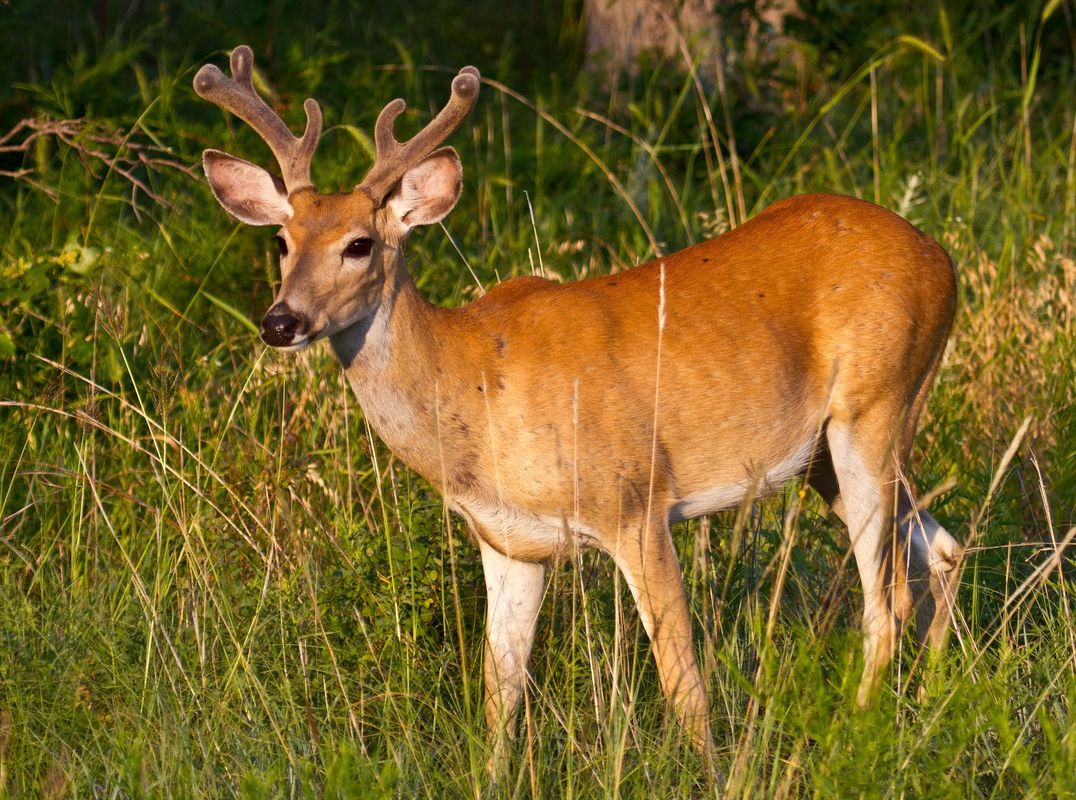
(595, 413)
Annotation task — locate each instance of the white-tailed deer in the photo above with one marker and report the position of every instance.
(595, 413)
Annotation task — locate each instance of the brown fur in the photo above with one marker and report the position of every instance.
(758, 322)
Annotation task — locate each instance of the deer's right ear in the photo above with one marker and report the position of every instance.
(247, 192)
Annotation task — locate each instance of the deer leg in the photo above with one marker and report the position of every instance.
(652, 572)
(514, 591)
(932, 555)
(862, 460)
(932, 560)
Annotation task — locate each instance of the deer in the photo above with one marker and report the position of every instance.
(554, 417)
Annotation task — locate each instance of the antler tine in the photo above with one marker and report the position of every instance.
(393, 157)
(237, 95)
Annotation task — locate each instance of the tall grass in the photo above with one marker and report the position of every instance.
(215, 580)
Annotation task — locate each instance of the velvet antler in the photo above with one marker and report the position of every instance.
(237, 95)
(394, 158)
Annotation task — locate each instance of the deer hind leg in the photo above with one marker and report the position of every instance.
(861, 452)
(514, 591)
(931, 553)
(932, 556)
(652, 572)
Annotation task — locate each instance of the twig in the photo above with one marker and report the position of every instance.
(113, 148)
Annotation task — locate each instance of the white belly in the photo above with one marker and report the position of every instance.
(529, 536)
(721, 496)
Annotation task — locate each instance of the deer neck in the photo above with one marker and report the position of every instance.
(391, 360)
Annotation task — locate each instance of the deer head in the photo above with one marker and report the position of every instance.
(340, 254)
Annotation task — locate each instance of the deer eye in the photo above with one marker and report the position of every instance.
(359, 247)
(281, 245)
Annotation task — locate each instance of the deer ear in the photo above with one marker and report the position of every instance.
(429, 190)
(247, 192)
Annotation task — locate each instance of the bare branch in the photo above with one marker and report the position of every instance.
(115, 149)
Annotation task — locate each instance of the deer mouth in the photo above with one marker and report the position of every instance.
(294, 347)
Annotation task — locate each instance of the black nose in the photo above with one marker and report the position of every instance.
(280, 325)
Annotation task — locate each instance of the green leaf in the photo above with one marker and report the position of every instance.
(86, 258)
(231, 311)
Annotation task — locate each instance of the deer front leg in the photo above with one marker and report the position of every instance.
(514, 591)
(652, 572)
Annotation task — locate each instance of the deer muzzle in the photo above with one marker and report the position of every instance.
(282, 327)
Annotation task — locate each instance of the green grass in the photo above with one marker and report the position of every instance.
(214, 580)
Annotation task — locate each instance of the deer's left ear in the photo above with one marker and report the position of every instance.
(247, 192)
(429, 190)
